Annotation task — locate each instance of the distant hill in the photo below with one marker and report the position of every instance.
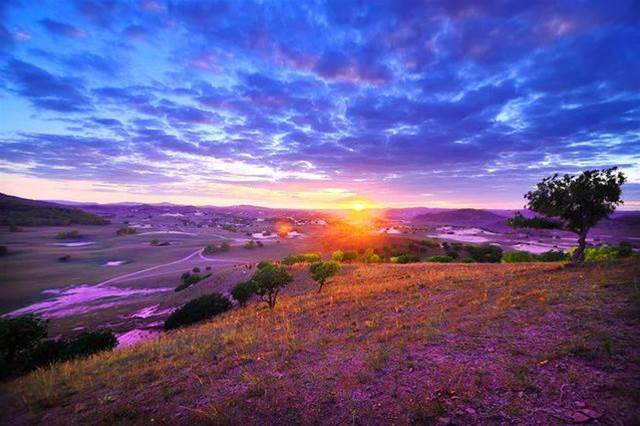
(460, 217)
(24, 212)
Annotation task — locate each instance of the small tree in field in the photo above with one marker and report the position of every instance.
(580, 202)
(322, 271)
(269, 280)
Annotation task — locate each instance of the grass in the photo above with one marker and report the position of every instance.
(493, 343)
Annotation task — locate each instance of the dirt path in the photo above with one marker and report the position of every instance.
(140, 273)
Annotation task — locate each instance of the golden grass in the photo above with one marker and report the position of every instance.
(381, 343)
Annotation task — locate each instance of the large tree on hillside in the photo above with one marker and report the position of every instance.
(579, 201)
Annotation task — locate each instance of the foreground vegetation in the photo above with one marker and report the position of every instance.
(423, 343)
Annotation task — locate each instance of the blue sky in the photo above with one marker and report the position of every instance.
(315, 104)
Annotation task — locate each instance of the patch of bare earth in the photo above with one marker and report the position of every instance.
(423, 343)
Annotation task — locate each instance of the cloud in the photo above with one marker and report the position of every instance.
(62, 29)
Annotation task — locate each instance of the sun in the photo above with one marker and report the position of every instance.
(358, 207)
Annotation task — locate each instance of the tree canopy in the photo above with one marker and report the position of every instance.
(579, 201)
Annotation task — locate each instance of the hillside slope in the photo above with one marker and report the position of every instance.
(460, 217)
(421, 343)
(23, 212)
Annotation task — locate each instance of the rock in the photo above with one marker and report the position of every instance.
(470, 411)
(579, 417)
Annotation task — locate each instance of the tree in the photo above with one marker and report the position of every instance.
(322, 271)
(269, 280)
(243, 291)
(202, 308)
(579, 201)
(18, 337)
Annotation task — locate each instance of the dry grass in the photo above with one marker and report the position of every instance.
(381, 344)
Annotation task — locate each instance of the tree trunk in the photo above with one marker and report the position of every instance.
(578, 255)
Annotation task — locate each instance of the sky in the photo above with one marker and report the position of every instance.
(315, 104)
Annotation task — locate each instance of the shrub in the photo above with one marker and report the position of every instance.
(440, 259)
(185, 275)
(290, 260)
(196, 310)
(485, 253)
(195, 270)
(89, 343)
(249, 244)
(468, 260)
(225, 246)
(606, 252)
(18, 337)
(625, 249)
(337, 256)
(48, 352)
(370, 257)
(405, 258)
(321, 271)
(432, 242)
(127, 230)
(262, 264)
(269, 280)
(517, 257)
(552, 256)
(155, 242)
(259, 243)
(302, 258)
(62, 235)
(211, 249)
(64, 258)
(188, 281)
(208, 268)
(350, 256)
(242, 292)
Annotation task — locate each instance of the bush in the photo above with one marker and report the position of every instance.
(127, 230)
(517, 257)
(249, 244)
(242, 292)
(155, 242)
(89, 343)
(350, 256)
(195, 270)
(64, 258)
(321, 271)
(63, 235)
(269, 280)
(301, 258)
(405, 258)
(262, 264)
(370, 257)
(552, 256)
(196, 310)
(625, 249)
(606, 252)
(185, 275)
(225, 246)
(18, 337)
(432, 242)
(440, 259)
(337, 256)
(468, 260)
(48, 352)
(188, 281)
(485, 253)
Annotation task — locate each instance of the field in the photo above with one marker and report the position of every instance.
(423, 343)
